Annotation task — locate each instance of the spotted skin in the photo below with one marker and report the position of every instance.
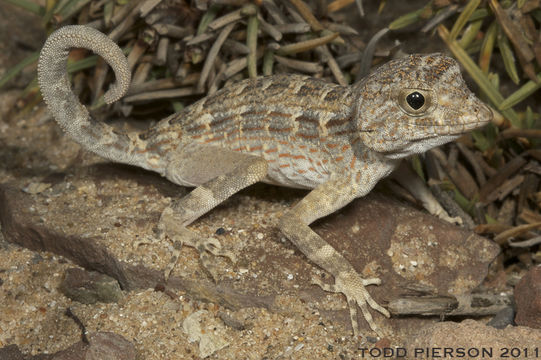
(288, 130)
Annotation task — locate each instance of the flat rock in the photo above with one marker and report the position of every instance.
(473, 340)
(528, 299)
(412, 252)
(381, 237)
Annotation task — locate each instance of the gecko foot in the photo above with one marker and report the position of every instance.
(353, 287)
(171, 227)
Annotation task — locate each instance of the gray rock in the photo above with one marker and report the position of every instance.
(89, 287)
(503, 318)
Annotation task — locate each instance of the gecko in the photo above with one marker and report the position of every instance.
(289, 130)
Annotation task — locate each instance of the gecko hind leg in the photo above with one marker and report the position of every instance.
(219, 173)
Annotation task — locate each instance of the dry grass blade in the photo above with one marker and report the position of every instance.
(234, 66)
(327, 57)
(359, 4)
(136, 53)
(505, 189)
(306, 45)
(268, 62)
(211, 56)
(126, 22)
(108, 10)
(251, 42)
(342, 29)
(236, 47)
(526, 133)
(470, 156)
(294, 28)
(70, 9)
(440, 17)
(338, 5)
(163, 84)
(148, 6)
(200, 38)
(274, 12)
(406, 20)
(162, 94)
(463, 19)
(511, 167)
(207, 18)
(14, 71)
(470, 33)
(172, 30)
(123, 12)
(521, 94)
(234, 16)
(508, 58)
(299, 65)
(161, 52)
(487, 47)
(28, 6)
(307, 15)
(368, 53)
(140, 74)
(526, 243)
(503, 237)
(269, 29)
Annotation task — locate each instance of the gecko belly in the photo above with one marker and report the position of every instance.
(296, 174)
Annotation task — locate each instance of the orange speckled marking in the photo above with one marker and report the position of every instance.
(352, 163)
(214, 139)
(154, 147)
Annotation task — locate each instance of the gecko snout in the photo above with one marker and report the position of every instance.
(484, 114)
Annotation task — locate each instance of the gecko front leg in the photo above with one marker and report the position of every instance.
(322, 201)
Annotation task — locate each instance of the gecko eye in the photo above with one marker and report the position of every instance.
(415, 102)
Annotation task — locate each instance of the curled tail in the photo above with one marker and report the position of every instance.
(73, 116)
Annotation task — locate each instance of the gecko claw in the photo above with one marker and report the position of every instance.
(171, 227)
(353, 287)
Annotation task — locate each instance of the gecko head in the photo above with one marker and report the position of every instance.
(411, 105)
